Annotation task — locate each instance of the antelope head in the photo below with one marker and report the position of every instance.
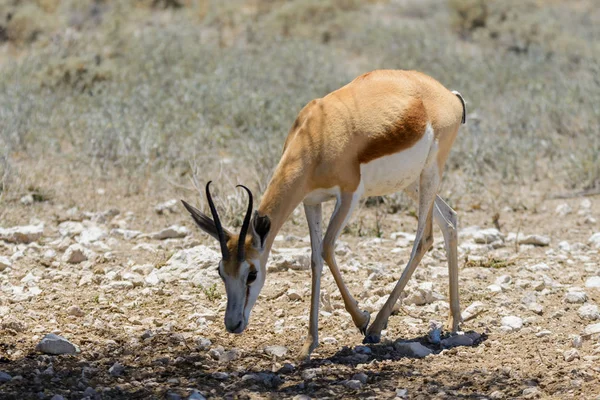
(240, 267)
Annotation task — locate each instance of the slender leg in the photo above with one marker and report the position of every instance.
(428, 187)
(346, 203)
(313, 216)
(447, 219)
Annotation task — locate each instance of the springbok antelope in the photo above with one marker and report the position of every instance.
(383, 132)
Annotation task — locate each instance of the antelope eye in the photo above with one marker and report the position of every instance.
(251, 277)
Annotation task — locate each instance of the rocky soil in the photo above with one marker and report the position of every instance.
(96, 304)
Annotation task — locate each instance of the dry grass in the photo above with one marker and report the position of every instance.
(209, 89)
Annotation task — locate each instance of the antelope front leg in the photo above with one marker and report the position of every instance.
(313, 216)
(346, 203)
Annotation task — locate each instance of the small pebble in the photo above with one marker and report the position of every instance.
(116, 370)
(353, 384)
(571, 355)
(75, 311)
(361, 376)
(220, 375)
(196, 395)
(4, 377)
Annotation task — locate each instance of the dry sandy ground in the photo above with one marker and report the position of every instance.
(169, 335)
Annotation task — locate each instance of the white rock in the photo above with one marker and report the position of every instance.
(150, 248)
(543, 333)
(276, 351)
(489, 235)
(5, 263)
(22, 234)
(585, 204)
(296, 259)
(575, 297)
(75, 254)
(197, 265)
(91, 234)
(563, 209)
(589, 312)
(538, 267)
(121, 285)
(422, 295)
(538, 286)
(70, 228)
(593, 282)
(503, 280)
(27, 200)
(593, 241)
(169, 206)
(152, 279)
(199, 257)
(75, 311)
(571, 355)
(494, 288)
(536, 240)
(172, 232)
(412, 349)
(126, 234)
(592, 329)
(49, 254)
(472, 310)
(134, 278)
(536, 308)
(30, 278)
(330, 340)
(513, 322)
(54, 344)
(564, 246)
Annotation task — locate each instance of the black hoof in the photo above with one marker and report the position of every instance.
(373, 338)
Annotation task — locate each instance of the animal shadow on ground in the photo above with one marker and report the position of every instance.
(165, 368)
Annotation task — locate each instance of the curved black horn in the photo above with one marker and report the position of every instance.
(245, 225)
(213, 210)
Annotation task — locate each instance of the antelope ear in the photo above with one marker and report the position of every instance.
(259, 228)
(204, 222)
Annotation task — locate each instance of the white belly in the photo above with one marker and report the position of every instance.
(390, 174)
